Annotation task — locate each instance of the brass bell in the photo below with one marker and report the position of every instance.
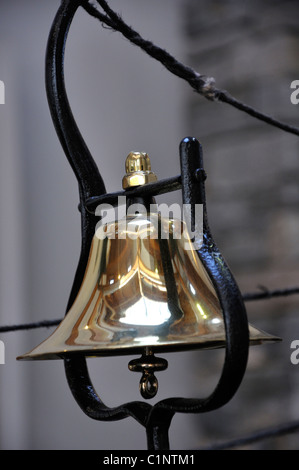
(142, 293)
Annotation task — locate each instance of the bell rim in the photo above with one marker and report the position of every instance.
(110, 351)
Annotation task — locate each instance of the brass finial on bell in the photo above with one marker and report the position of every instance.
(138, 170)
(142, 294)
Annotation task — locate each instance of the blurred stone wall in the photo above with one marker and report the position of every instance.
(251, 49)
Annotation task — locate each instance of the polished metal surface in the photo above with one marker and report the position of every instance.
(138, 170)
(123, 305)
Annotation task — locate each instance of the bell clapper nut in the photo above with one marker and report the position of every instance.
(148, 363)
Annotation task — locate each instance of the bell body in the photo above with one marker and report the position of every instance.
(144, 286)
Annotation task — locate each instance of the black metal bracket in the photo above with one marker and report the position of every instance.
(155, 418)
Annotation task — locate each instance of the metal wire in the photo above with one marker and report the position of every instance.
(201, 84)
(250, 296)
(276, 431)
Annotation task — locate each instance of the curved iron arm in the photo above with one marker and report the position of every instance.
(157, 418)
(77, 153)
(89, 179)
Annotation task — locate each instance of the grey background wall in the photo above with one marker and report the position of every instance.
(125, 101)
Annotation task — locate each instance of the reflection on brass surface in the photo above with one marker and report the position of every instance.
(138, 170)
(123, 305)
